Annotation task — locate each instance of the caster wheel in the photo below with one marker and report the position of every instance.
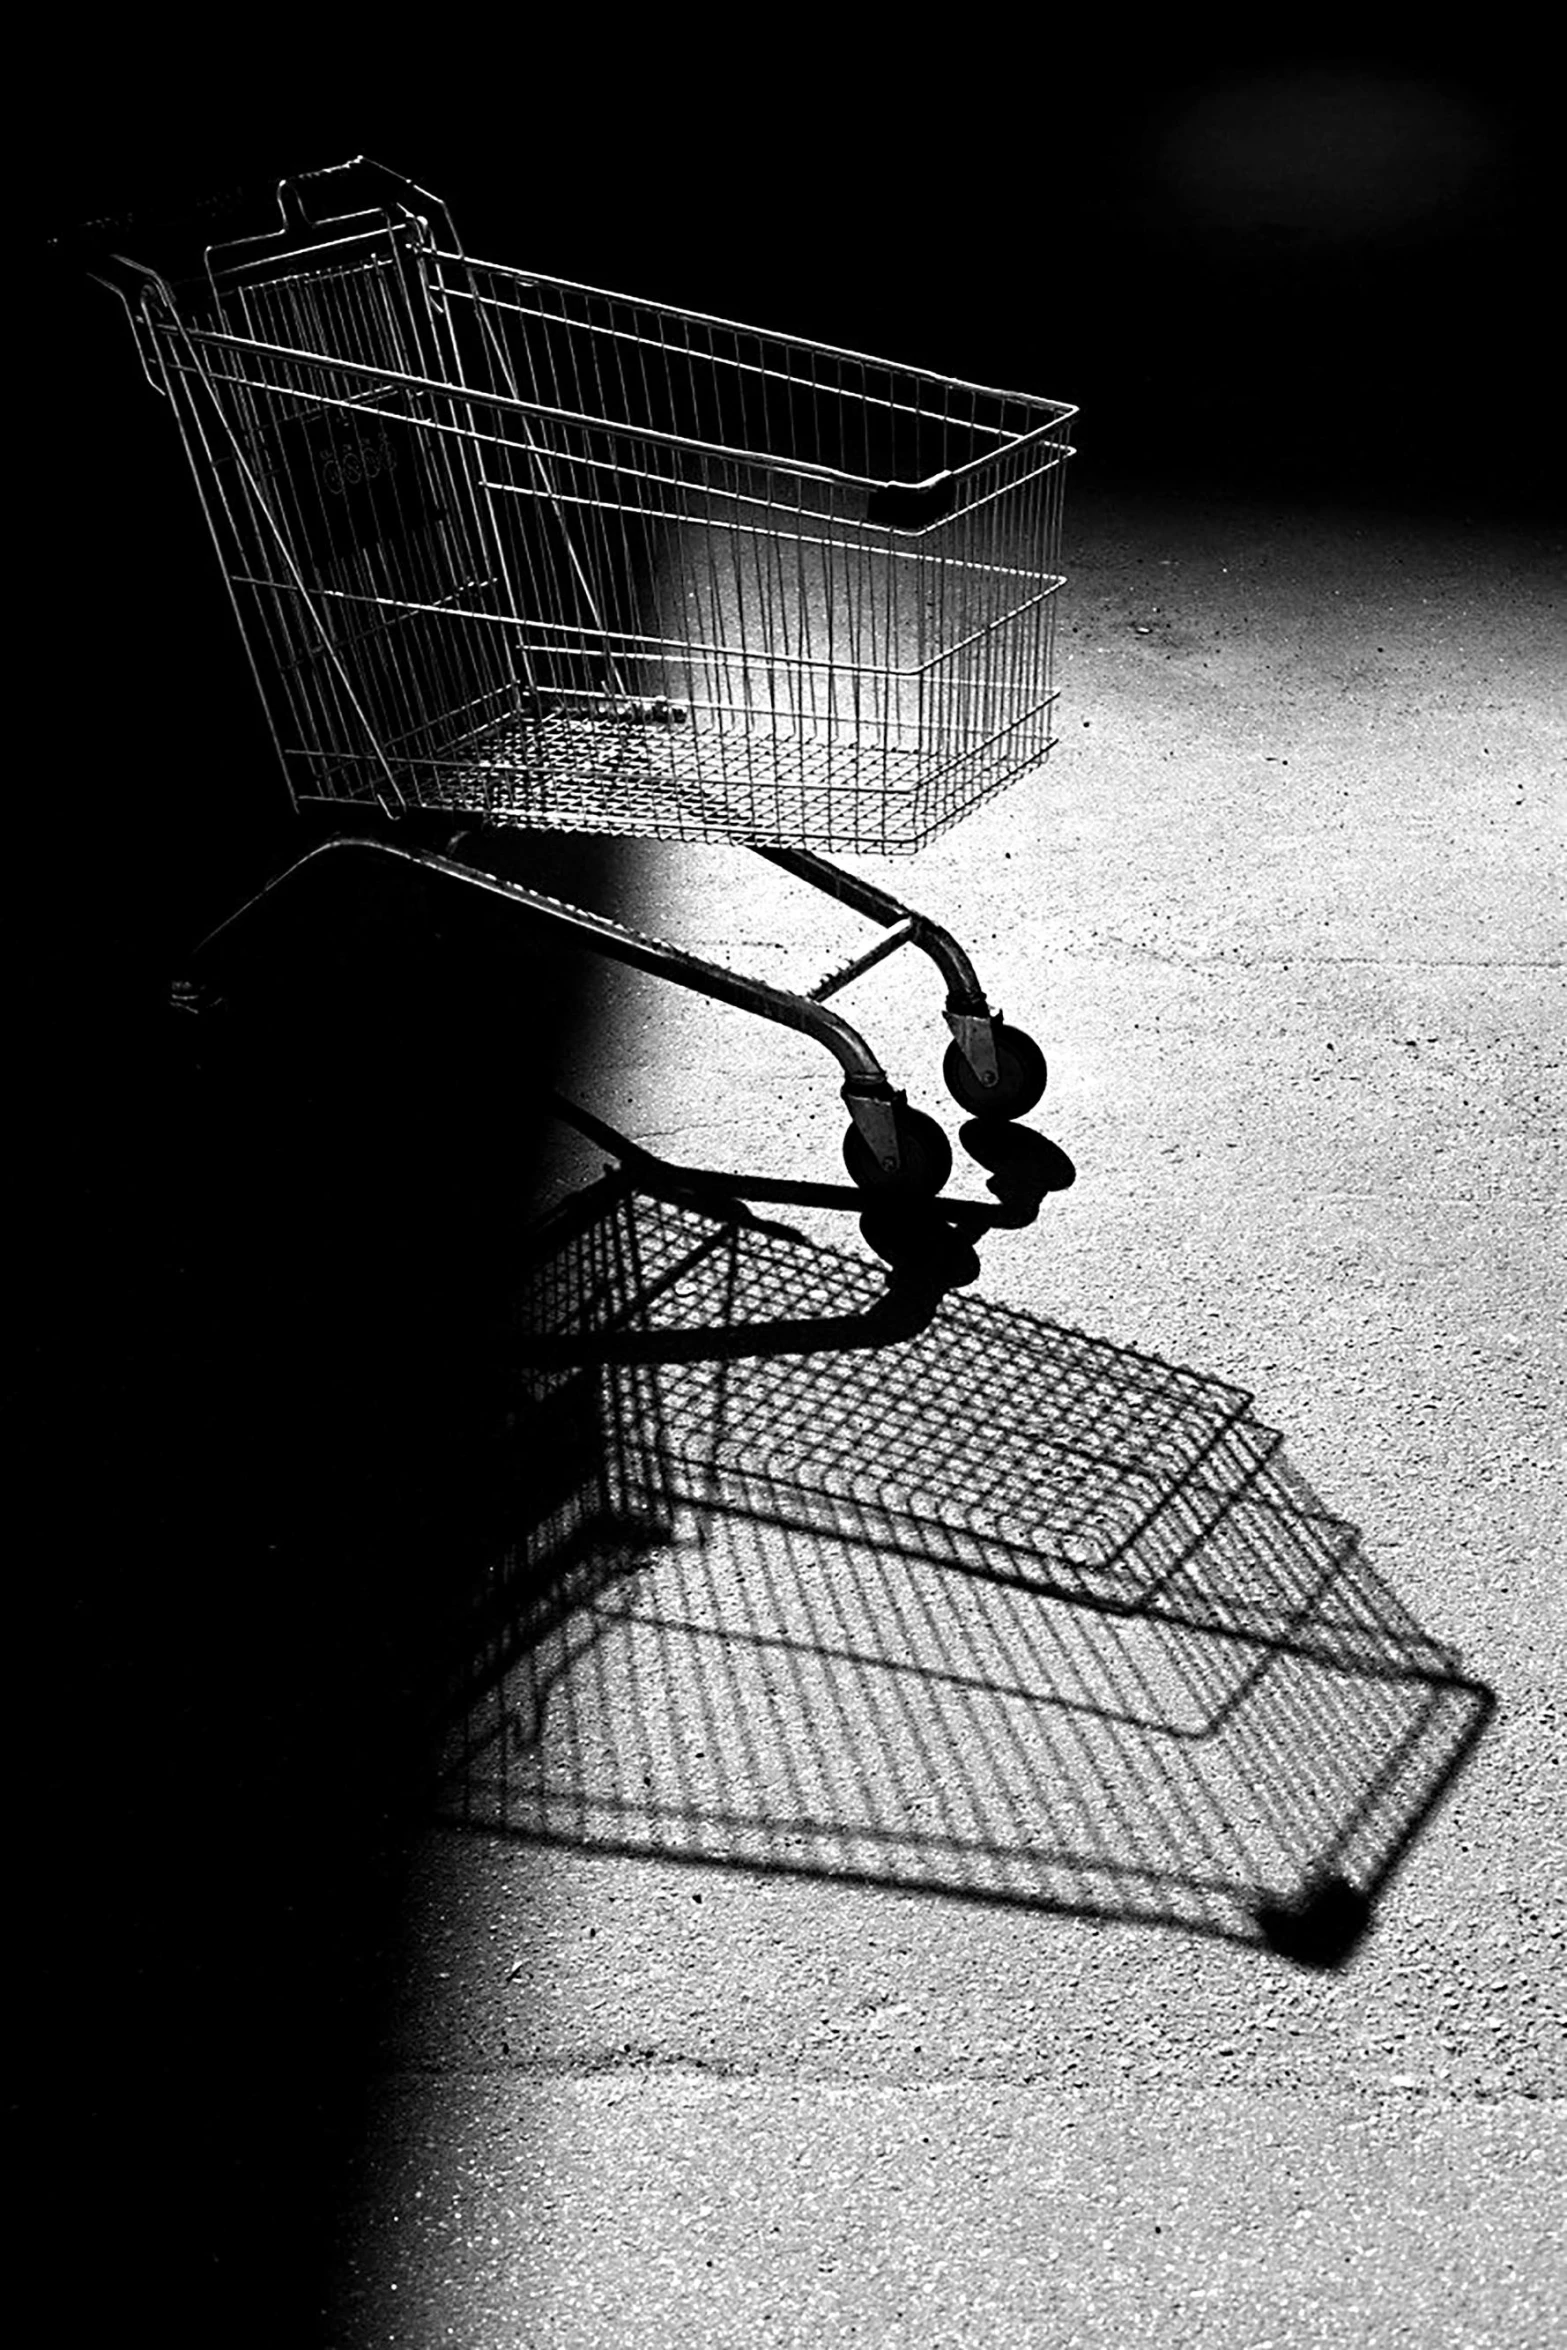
(924, 1149)
(1020, 1077)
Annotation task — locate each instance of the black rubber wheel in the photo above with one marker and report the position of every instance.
(1020, 1077)
(923, 1149)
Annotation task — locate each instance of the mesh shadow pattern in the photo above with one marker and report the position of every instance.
(947, 1597)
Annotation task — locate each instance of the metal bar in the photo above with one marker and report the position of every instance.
(336, 365)
(759, 368)
(716, 494)
(850, 889)
(888, 944)
(622, 945)
(879, 905)
(1061, 410)
(445, 607)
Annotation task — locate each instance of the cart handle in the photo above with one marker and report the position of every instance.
(366, 178)
(310, 202)
(349, 189)
(361, 185)
(306, 202)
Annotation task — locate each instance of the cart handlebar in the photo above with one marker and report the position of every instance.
(141, 255)
(127, 250)
(357, 185)
(336, 199)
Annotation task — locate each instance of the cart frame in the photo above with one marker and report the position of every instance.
(991, 1069)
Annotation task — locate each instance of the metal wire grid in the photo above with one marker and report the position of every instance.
(827, 1689)
(523, 548)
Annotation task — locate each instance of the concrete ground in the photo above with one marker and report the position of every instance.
(817, 1937)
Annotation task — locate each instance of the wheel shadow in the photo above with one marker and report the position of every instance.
(824, 1567)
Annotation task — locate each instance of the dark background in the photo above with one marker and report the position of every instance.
(263, 1383)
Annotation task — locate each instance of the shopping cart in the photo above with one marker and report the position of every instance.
(529, 554)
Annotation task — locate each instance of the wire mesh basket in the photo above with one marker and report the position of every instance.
(520, 548)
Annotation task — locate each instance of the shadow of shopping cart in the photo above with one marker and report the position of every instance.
(818, 1573)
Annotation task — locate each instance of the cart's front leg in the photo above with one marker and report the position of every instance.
(992, 1069)
(889, 1145)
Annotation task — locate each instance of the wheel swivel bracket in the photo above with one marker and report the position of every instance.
(975, 1035)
